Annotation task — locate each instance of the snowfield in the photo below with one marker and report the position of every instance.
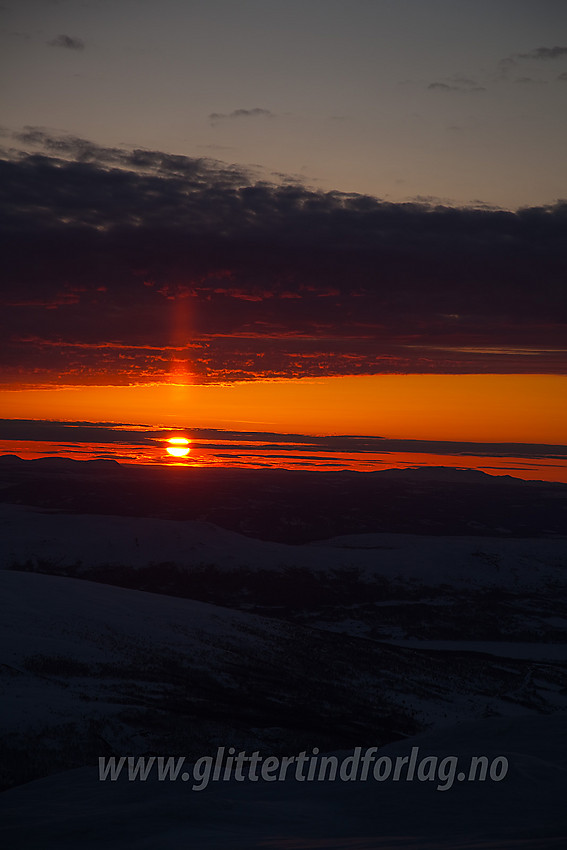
(524, 811)
(89, 541)
(453, 644)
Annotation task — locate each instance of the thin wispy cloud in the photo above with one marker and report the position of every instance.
(67, 42)
(465, 87)
(542, 55)
(457, 83)
(462, 84)
(257, 112)
(530, 81)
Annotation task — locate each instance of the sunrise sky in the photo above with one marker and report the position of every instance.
(317, 217)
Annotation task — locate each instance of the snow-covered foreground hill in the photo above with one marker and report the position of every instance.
(89, 669)
(523, 811)
(356, 641)
(64, 540)
(388, 587)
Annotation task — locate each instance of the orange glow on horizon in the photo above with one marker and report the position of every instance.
(246, 455)
(475, 408)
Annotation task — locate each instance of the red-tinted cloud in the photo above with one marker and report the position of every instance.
(119, 263)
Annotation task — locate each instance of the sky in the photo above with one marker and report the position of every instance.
(318, 217)
(461, 100)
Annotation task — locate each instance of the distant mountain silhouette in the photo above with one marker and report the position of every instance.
(293, 506)
(58, 463)
(447, 473)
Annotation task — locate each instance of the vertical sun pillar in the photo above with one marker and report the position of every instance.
(179, 375)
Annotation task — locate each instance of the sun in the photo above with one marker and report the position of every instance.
(178, 446)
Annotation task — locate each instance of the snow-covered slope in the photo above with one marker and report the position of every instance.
(67, 539)
(369, 638)
(525, 810)
(28, 534)
(87, 667)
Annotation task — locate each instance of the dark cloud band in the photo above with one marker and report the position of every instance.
(121, 265)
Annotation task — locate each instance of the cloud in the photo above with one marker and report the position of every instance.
(241, 113)
(544, 53)
(443, 86)
(68, 42)
(530, 81)
(68, 148)
(457, 84)
(562, 76)
(261, 442)
(126, 265)
(539, 54)
(462, 84)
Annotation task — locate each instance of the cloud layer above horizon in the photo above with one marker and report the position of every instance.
(130, 266)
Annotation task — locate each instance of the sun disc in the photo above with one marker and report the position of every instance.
(178, 447)
(178, 452)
